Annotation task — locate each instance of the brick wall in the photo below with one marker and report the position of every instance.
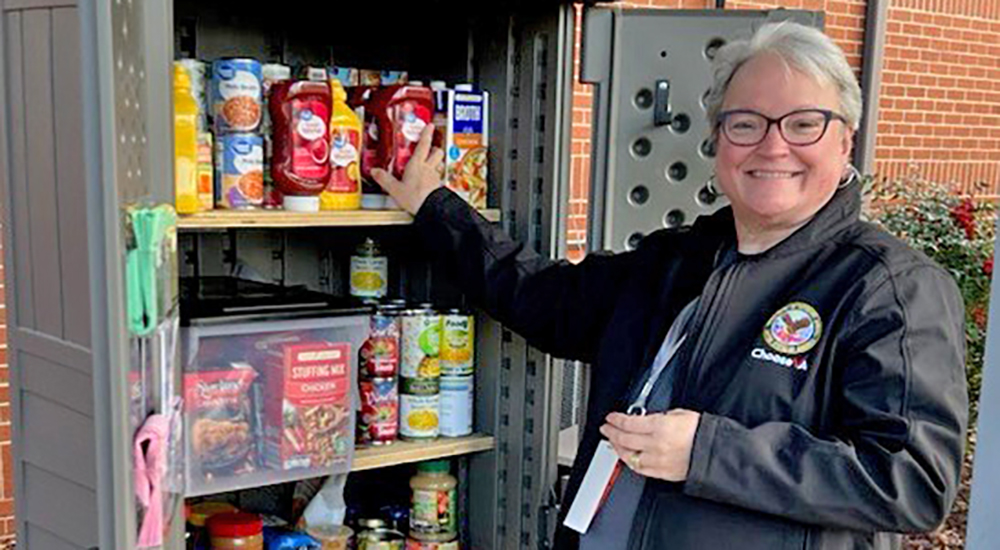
(940, 100)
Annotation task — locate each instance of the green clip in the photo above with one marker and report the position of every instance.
(150, 227)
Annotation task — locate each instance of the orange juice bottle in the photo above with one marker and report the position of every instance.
(186, 198)
(344, 190)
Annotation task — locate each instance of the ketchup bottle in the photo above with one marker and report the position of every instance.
(300, 162)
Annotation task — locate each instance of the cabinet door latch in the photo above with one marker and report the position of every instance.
(661, 104)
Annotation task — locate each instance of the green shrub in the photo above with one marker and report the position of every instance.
(957, 232)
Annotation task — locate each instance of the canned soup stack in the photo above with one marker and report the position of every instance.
(434, 352)
(237, 114)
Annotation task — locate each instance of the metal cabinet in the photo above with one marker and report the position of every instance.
(86, 133)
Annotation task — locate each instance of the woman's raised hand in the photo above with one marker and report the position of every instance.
(420, 178)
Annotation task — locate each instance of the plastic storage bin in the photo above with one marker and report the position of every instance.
(269, 397)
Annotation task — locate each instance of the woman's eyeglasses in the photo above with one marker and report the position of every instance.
(802, 127)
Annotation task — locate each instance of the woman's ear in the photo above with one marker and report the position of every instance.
(847, 142)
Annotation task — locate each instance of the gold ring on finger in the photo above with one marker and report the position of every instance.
(635, 461)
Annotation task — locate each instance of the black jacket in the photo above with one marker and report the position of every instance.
(831, 447)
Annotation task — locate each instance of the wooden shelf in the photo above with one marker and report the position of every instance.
(233, 219)
(403, 452)
(369, 458)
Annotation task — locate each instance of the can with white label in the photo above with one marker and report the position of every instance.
(456, 399)
(418, 415)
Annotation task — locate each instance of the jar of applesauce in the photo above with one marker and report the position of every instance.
(433, 516)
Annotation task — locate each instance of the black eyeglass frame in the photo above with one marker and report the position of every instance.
(828, 115)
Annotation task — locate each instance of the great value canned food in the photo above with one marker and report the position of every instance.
(456, 398)
(457, 348)
(237, 95)
(419, 416)
(378, 423)
(379, 355)
(421, 344)
(239, 159)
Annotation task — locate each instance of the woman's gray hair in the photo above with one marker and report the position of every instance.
(802, 48)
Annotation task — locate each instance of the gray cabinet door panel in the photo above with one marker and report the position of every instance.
(66, 354)
(37, 537)
(43, 212)
(57, 383)
(67, 448)
(650, 174)
(72, 198)
(19, 247)
(58, 505)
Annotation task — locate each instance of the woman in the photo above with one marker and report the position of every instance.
(801, 371)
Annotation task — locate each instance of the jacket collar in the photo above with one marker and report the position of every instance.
(839, 213)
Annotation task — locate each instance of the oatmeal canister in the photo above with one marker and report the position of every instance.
(378, 423)
(240, 171)
(457, 348)
(237, 95)
(421, 343)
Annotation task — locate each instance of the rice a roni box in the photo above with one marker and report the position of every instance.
(307, 405)
(467, 143)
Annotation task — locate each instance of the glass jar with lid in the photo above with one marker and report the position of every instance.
(433, 517)
(236, 531)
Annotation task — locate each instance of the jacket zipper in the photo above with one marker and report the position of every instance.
(708, 319)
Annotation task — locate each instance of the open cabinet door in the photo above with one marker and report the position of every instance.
(651, 156)
(79, 80)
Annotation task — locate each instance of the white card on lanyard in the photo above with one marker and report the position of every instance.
(597, 482)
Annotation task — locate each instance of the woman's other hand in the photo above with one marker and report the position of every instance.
(420, 178)
(655, 445)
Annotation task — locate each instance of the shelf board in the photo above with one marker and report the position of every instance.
(369, 458)
(403, 452)
(233, 219)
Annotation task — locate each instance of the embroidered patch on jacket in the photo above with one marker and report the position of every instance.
(797, 363)
(794, 329)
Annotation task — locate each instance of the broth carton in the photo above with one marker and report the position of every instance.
(466, 143)
(307, 404)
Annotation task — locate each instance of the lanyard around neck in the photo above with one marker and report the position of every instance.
(675, 338)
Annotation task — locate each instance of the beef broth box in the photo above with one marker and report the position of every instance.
(307, 405)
